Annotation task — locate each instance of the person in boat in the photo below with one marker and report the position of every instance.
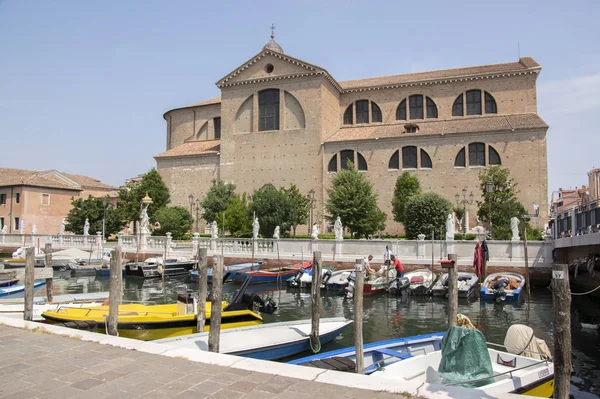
(398, 266)
(370, 272)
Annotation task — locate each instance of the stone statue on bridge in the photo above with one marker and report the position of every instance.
(450, 227)
(144, 221)
(63, 224)
(514, 228)
(315, 232)
(338, 229)
(255, 228)
(5, 229)
(276, 233)
(86, 227)
(214, 230)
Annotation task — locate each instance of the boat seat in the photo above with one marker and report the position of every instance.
(432, 376)
(393, 353)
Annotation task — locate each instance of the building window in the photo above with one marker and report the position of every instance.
(494, 156)
(457, 108)
(332, 167)
(361, 161)
(476, 154)
(17, 223)
(394, 161)
(345, 157)
(490, 104)
(459, 161)
(431, 109)
(349, 115)
(401, 111)
(2, 199)
(375, 112)
(217, 123)
(474, 102)
(362, 111)
(268, 110)
(409, 157)
(1, 223)
(425, 160)
(45, 199)
(17, 198)
(411, 128)
(416, 106)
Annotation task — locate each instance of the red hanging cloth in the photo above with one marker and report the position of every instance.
(478, 260)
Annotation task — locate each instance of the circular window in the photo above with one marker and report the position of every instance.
(269, 68)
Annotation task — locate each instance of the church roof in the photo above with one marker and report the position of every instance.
(193, 149)
(460, 125)
(273, 45)
(49, 179)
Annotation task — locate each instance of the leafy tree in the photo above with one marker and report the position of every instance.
(271, 208)
(351, 198)
(459, 211)
(297, 207)
(93, 209)
(503, 202)
(173, 219)
(130, 196)
(407, 185)
(237, 217)
(217, 199)
(424, 213)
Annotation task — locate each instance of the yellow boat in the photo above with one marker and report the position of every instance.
(149, 322)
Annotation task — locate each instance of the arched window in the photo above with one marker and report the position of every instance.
(362, 111)
(409, 157)
(394, 161)
(459, 161)
(349, 115)
(490, 104)
(361, 161)
(494, 157)
(332, 167)
(431, 109)
(474, 102)
(375, 112)
(425, 160)
(416, 106)
(457, 108)
(268, 110)
(401, 111)
(346, 157)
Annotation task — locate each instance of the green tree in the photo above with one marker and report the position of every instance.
(502, 200)
(130, 196)
(237, 217)
(297, 207)
(407, 185)
(424, 213)
(93, 209)
(271, 208)
(351, 197)
(459, 211)
(173, 219)
(217, 200)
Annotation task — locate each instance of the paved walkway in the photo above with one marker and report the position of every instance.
(36, 364)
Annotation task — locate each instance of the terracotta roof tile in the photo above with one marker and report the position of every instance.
(89, 182)
(192, 149)
(215, 100)
(49, 179)
(458, 125)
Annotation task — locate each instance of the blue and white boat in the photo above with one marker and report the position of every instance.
(233, 268)
(377, 354)
(502, 286)
(266, 341)
(104, 271)
(18, 290)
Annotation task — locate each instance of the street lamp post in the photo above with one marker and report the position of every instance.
(464, 203)
(489, 189)
(191, 200)
(197, 210)
(311, 196)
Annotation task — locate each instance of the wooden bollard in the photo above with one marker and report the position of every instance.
(48, 263)
(114, 293)
(202, 267)
(561, 301)
(119, 254)
(452, 290)
(215, 309)
(359, 269)
(29, 279)
(315, 343)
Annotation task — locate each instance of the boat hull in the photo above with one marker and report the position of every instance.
(104, 271)
(18, 290)
(269, 276)
(488, 294)
(154, 271)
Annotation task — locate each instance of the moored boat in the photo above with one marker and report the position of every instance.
(266, 341)
(467, 282)
(336, 280)
(105, 270)
(18, 290)
(421, 281)
(503, 286)
(270, 275)
(8, 283)
(234, 267)
(303, 278)
(155, 267)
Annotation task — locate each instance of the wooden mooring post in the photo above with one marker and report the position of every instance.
(215, 309)
(48, 263)
(202, 267)
(359, 269)
(315, 342)
(561, 301)
(114, 295)
(29, 279)
(452, 290)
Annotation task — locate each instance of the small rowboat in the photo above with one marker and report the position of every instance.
(466, 284)
(336, 281)
(271, 275)
(235, 267)
(502, 287)
(267, 341)
(8, 283)
(17, 290)
(421, 281)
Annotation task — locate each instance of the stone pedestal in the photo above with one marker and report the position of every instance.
(339, 247)
(120, 239)
(213, 244)
(313, 246)
(516, 250)
(143, 241)
(421, 246)
(448, 248)
(195, 243)
(85, 240)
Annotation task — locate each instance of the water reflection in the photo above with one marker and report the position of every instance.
(391, 317)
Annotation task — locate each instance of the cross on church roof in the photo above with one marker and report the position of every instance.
(272, 27)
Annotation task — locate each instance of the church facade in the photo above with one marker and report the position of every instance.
(281, 120)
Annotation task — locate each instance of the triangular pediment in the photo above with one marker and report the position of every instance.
(55, 175)
(258, 69)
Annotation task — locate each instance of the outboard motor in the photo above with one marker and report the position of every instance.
(399, 286)
(326, 277)
(254, 302)
(349, 290)
(499, 286)
(297, 277)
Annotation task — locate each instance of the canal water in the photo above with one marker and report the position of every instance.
(389, 317)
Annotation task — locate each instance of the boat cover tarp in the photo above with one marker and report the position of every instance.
(465, 357)
(520, 340)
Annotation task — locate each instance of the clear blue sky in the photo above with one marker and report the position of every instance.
(84, 84)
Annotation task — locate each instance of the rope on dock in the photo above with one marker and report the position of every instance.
(580, 293)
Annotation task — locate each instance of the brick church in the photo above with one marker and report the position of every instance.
(281, 120)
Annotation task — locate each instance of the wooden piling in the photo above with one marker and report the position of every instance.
(359, 269)
(315, 343)
(119, 261)
(202, 267)
(29, 279)
(561, 301)
(527, 282)
(452, 290)
(215, 309)
(113, 295)
(48, 263)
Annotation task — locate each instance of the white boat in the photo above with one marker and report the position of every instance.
(266, 341)
(15, 311)
(420, 281)
(336, 281)
(303, 279)
(466, 284)
(64, 298)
